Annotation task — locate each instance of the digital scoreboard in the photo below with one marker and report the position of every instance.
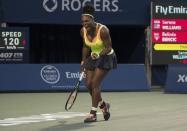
(169, 33)
(14, 45)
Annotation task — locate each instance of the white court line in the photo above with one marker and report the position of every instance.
(40, 118)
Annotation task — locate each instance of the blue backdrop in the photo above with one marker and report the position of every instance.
(125, 12)
(176, 79)
(41, 77)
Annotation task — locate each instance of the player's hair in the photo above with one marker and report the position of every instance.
(88, 10)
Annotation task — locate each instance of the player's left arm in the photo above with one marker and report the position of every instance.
(105, 37)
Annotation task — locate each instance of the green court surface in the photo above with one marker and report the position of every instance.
(130, 111)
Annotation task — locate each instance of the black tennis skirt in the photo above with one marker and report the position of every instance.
(106, 62)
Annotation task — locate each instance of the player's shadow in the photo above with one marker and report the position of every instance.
(63, 126)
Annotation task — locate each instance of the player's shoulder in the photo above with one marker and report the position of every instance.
(102, 25)
(104, 28)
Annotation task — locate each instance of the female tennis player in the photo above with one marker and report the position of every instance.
(98, 58)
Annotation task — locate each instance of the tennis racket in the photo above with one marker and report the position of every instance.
(73, 95)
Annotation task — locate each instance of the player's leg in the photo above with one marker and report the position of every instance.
(88, 80)
(97, 80)
(99, 74)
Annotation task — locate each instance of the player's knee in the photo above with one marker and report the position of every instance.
(94, 85)
(88, 84)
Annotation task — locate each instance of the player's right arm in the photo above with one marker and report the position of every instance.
(85, 49)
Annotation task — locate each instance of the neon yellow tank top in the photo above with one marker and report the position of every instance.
(97, 44)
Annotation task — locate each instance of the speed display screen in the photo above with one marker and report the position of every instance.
(169, 33)
(14, 45)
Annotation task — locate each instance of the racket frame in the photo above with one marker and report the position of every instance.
(76, 89)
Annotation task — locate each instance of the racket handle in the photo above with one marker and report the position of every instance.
(81, 76)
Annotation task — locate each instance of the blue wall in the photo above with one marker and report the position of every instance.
(117, 12)
(41, 77)
(176, 79)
